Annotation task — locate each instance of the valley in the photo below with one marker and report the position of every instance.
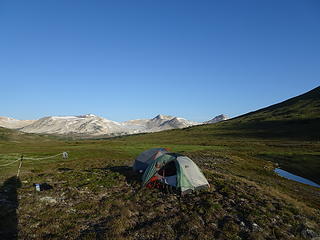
(95, 194)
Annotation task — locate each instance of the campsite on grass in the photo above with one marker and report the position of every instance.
(172, 169)
(160, 120)
(212, 181)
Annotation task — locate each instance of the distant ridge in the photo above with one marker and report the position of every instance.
(14, 123)
(92, 125)
(295, 118)
(304, 106)
(88, 124)
(217, 119)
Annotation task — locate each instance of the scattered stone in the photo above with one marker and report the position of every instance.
(201, 220)
(255, 227)
(308, 233)
(48, 200)
(169, 228)
(71, 210)
(35, 225)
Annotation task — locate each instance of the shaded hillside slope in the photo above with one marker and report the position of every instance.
(305, 106)
(296, 118)
(11, 135)
(14, 135)
(96, 195)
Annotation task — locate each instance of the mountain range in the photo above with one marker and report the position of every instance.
(14, 123)
(92, 125)
(246, 200)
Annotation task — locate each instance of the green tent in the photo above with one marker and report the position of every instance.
(142, 162)
(175, 170)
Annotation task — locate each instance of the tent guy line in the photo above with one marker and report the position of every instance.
(36, 159)
(4, 165)
(64, 154)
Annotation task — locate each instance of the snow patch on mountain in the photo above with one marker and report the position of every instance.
(216, 119)
(92, 125)
(12, 123)
(85, 125)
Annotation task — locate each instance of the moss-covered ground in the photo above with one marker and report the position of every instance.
(95, 194)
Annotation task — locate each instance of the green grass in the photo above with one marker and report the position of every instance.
(98, 196)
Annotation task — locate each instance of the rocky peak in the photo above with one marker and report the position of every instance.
(216, 119)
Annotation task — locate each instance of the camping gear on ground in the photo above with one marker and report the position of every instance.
(65, 155)
(38, 187)
(175, 170)
(144, 159)
(154, 182)
(42, 186)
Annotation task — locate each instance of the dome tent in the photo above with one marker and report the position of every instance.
(144, 159)
(176, 170)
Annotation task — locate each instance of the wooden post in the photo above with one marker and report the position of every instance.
(21, 159)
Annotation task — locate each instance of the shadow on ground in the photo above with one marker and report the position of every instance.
(8, 208)
(126, 171)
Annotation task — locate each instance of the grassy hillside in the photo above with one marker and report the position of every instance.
(95, 194)
(11, 135)
(296, 118)
(305, 106)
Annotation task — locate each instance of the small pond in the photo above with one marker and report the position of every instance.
(296, 178)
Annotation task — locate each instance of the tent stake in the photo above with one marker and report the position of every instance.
(21, 159)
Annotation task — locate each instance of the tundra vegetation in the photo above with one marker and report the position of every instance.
(95, 194)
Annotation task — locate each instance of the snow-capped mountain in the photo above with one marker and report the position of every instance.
(216, 119)
(14, 123)
(158, 123)
(84, 125)
(135, 126)
(177, 123)
(92, 125)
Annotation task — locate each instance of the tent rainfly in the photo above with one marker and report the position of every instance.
(175, 170)
(146, 158)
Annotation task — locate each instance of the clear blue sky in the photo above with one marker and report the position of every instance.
(134, 59)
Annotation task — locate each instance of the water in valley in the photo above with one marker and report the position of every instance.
(296, 178)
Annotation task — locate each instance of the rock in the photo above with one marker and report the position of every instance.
(169, 228)
(161, 208)
(255, 227)
(35, 225)
(71, 210)
(273, 221)
(48, 200)
(308, 233)
(315, 238)
(201, 220)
